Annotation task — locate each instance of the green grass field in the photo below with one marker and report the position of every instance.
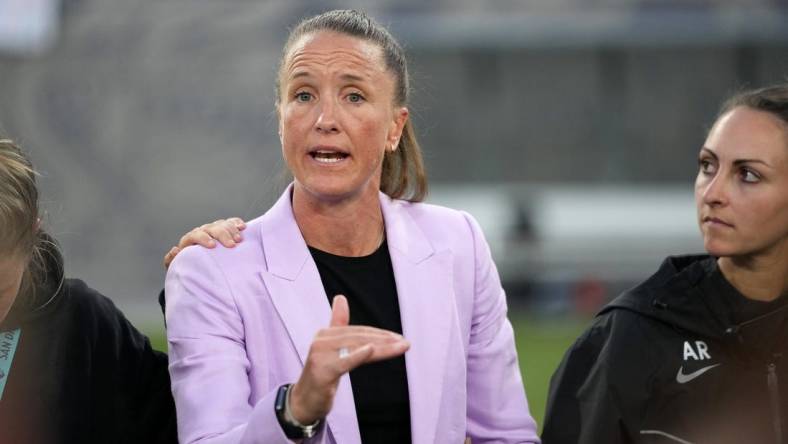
(541, 343)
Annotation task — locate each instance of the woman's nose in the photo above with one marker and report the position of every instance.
(326, 120)
(715, 191)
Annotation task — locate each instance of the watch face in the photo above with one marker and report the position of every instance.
(281, 398)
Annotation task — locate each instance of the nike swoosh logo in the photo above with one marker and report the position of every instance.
(681, 378)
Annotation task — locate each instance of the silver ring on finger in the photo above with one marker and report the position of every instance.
(343, 352)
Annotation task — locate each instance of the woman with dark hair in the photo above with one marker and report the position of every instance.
(72, 368)
(698, 352)
(352, 312)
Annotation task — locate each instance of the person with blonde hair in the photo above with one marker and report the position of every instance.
(352, 312)
(72, 368)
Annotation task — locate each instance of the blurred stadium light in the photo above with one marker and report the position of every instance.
(28, 27)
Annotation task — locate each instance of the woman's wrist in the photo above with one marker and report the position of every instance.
(292, 428)
(294, 409)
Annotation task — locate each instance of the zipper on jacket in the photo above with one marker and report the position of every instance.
(774, 397)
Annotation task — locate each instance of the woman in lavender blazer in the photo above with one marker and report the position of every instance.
(258, 354)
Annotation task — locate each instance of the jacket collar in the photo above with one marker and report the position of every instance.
(286, 251)
(671, 295)
(681, 295)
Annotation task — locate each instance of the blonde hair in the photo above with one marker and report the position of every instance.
(20, 214)
(18, 200)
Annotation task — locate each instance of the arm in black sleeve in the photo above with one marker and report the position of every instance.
(152, 410)
(141, 396)
(580, 407)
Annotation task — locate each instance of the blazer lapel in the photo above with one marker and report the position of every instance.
(425, 290)
(295, 288)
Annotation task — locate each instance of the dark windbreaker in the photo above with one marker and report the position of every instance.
(682, 358)
(81, 372)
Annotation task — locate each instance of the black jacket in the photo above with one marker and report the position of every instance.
(81, 372)
(682, 358)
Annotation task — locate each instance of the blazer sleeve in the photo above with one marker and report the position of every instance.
(580, 408)
(208, 362)
(497, 409)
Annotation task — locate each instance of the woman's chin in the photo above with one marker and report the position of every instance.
(334, 190)
(717, 248)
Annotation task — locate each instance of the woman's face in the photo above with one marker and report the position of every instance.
(741, 191)
(12, 268)
(337, 115)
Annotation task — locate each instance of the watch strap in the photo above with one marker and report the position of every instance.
(292, 428)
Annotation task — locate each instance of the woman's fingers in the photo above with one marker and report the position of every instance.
(238, 222)
(170, 256)
(340, 312)
(387, 350)
(337, 332)
(355, 358)
(226, 231)
(371, 352)
(197, 236)
(352, 340)
(337, 354)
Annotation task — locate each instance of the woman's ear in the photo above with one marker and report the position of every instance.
(397, 125)
(278, 120)
(37, 225)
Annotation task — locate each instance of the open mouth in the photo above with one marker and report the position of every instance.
(328, 156)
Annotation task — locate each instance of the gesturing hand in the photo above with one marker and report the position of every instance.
(312, 396)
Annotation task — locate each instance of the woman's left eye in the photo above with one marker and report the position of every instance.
(303, 96)
(355, 98)
(750, 176)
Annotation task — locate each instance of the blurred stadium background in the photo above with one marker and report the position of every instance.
(569, 128)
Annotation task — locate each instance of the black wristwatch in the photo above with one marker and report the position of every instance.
(292, 428)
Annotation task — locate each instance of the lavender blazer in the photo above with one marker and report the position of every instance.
(240, 322)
